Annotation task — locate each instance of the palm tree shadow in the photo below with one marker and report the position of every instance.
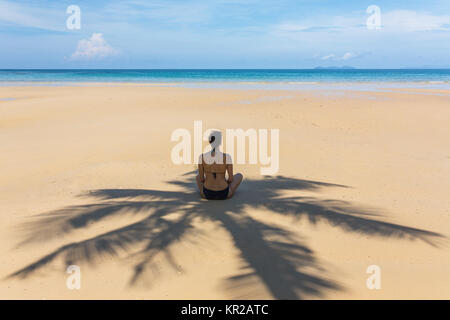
(270, 255)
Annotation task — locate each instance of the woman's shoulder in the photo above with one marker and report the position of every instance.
(219, 157)
(228, 159)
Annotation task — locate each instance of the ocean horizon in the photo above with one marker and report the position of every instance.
(285, 76)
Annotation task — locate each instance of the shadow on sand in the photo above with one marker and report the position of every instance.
(274, 256)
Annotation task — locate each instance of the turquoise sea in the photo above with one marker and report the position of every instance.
(228, 75)
(355, 79)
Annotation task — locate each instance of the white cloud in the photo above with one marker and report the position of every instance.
(406, 20)
(395, 21)
(31, 16)
(162, 10)
(327, 57)
(290, 27)
(346, 56)
(93, 48)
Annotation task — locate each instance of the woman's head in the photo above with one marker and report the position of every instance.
(215, 139)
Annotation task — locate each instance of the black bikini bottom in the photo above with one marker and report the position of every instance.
(216, 195)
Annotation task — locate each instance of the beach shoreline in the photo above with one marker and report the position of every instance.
(337, 88)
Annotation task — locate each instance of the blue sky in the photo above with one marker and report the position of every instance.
(224, 34)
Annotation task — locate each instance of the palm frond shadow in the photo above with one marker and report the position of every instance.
(271, 255)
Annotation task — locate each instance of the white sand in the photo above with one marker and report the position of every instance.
(138, 236)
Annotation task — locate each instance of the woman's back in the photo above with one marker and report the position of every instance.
(215, 166)
(212, 167)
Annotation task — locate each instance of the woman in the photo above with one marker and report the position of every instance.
(212, 167)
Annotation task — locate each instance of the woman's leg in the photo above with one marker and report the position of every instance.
(200, 186)
(237, 179)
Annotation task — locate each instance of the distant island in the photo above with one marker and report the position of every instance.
(334, 68)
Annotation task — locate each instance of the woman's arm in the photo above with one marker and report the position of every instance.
(230, 173)
(229, 163)
(201, 172)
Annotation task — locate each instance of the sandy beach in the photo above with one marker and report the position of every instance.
(87, 180)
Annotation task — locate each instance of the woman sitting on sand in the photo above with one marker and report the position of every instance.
(211, 172)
